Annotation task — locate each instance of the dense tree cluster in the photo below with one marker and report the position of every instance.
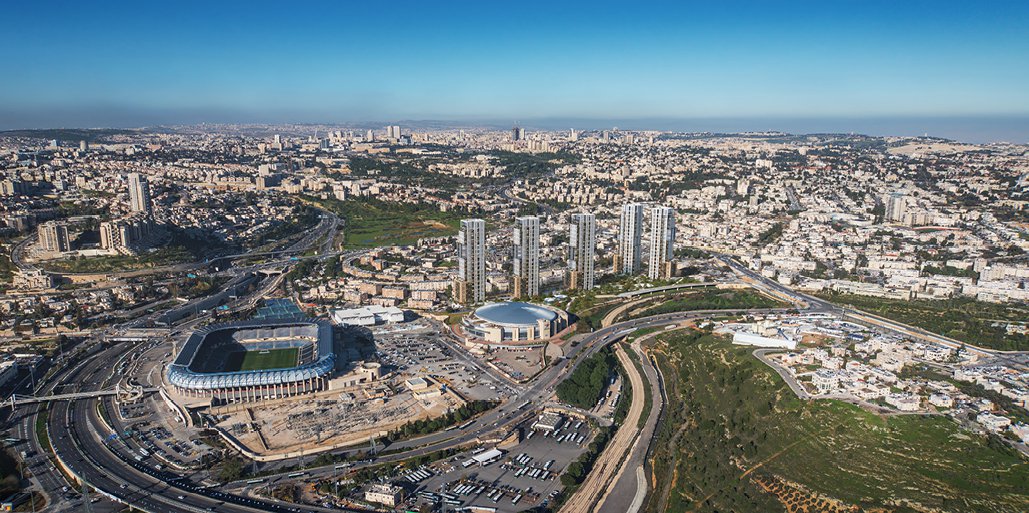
(712, 300)
(426, 426)
(587, 382)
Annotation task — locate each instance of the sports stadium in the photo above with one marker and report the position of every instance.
(255, 360)
(513, 324)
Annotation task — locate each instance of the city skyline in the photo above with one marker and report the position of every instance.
(565, 257)
(939, 69)
(515, 298)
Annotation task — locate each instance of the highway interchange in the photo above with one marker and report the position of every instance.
(83, 443)
(82, 439)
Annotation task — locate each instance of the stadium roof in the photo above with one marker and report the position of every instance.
(278, 307)
(514, 313)
(180, 374)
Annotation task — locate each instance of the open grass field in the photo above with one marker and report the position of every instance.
(262, 360)
(119, 263)
(734, 438)
(973, 322)
(371, 223)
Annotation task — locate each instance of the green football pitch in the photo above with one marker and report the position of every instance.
(262, 360)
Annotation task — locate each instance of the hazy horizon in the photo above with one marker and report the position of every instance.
(909, 68)
(971, 129)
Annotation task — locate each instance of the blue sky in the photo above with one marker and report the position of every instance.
(110, 63)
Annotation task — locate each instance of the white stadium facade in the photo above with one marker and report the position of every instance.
(202, 367)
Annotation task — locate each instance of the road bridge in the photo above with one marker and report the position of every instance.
(18, 400)
(666, 288)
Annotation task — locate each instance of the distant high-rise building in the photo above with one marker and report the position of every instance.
(139, 193)
(896, 206)
(517, 133)
(369, 136)
(393, 132)
(630, 234)
(573, 135)
(111, 234)
(662, 242)
(526, 256)
(10, 187)
(471, 262)
(582, 246)
(83, 146)
(742, 187)
(277, 139)
(53, 237)
(126, 235)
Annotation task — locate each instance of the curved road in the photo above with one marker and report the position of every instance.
(78, 434)
(83, 441)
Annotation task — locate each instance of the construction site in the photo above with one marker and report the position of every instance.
(288, 428)
(385, 376)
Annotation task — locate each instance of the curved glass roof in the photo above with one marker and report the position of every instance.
(514, 312)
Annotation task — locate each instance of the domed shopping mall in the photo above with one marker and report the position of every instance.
(513, 324)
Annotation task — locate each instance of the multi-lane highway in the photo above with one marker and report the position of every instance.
(625, 494)
(85, 446)
(537, 392)
(74, 428)
(1014, 359)
(83, 440)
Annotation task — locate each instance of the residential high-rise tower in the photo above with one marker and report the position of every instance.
(470, 287)
(582, 246)
(526, 256)
(139, 193)
(896, 206)
(630, 233)
(662, 242)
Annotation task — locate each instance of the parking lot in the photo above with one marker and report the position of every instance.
(160, 443)
(519, 365)
(606, 406)
(418, 350)
(149, 422)
(525, 476)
